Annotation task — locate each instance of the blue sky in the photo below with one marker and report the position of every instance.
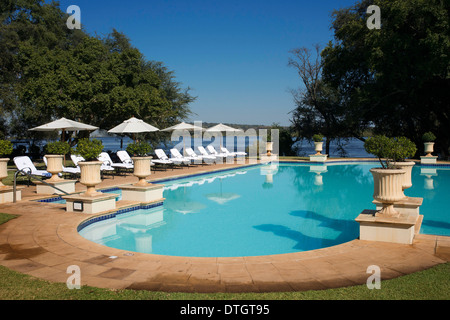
(232, 54)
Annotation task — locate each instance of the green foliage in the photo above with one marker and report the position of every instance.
(379, 146)
(428, 137)
(389, 150)
(403, 148)
(371, 69)
(6, 148)
(89, 149)
(285, 140)
(49, 71)
(317, 137)
(318, 104)
(57, 147)
(139, 149)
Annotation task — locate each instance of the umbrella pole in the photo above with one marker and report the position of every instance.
(64, 139)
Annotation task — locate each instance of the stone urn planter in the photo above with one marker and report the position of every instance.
(429, 148)
(388, 188)
(90, 176)
(54, 166)
(3, 170)
(269, 148)
(318, 147)
(6, 148)
(428, 139)
(407, 166)
(142, 169)
(90, 168)
(318, 143)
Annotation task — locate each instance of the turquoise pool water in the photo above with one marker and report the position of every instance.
(265, 210)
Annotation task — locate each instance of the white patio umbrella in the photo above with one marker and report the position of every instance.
(222, 128)
(133, 125)
(64, 125)
(183, 126)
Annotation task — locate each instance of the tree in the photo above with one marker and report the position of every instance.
(318, 104)
(29, 23)
(395, 79)
(285, 140)
(51, 71)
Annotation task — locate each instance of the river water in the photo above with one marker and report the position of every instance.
(349, 148)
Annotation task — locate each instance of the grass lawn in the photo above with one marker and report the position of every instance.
(431, 284)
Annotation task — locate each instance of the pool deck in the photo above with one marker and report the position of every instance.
(43, 242)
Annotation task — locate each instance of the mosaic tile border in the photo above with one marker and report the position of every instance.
(111, 215)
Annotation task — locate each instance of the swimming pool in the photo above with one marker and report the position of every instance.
(60, 200)
(264, 210)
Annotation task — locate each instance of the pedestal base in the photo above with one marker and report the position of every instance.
(67, 186)
(318, 169)
(266, 158)
(408, 206)
(428, 160)
(318, 157)
(143, 194)
(428, 171)
(7, 194)
(90, 205)
(386, 229)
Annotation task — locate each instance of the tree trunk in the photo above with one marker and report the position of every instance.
(327, 146)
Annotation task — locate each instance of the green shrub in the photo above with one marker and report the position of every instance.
(317, 137)
(6, 148)
(89, 149)
(403, 148)
(389, 150)
(57, 147)
(139, 149)
(428, 137)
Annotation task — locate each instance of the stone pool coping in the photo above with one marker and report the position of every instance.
(43, 242)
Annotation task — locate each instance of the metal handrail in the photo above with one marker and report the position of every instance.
(31, 177)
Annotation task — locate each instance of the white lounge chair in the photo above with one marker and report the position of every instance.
(204, 153)
(71, 170)
(25, 164)
(205, 159)
(106, 159)
(125, 158)
(238, 153)
(105, 167)
(162, 156)
(75, 159)
(177, 155)
(213, 151)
